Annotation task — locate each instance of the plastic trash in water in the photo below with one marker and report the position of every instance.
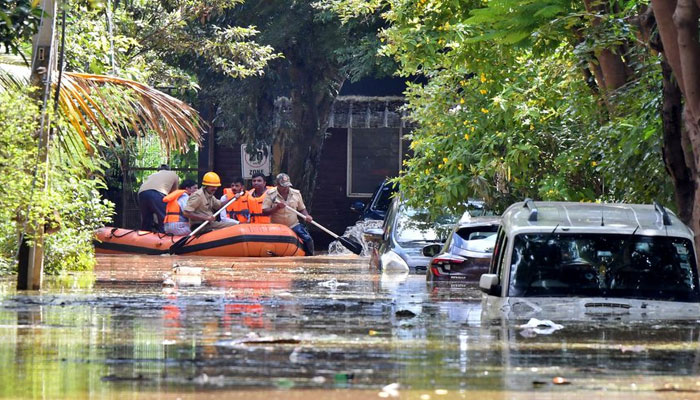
(332, 284)
(390, 390)
(539, 327)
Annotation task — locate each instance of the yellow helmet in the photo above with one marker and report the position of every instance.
(211, 179)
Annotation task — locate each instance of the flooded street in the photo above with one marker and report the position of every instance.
(313, 328)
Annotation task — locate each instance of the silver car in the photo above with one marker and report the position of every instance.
(564, 261)
(398, 245)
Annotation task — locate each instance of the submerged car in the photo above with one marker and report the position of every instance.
(466, 253)
(398, 244)
(563, 261)
(378, 204)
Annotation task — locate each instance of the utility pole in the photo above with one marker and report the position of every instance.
(31, 257)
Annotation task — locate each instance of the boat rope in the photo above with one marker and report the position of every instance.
(113, 234)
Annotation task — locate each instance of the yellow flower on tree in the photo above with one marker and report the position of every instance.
(483, 91)
(461, 101)
(485, 111)
(445, 160)
(466, 135)
(483, 78)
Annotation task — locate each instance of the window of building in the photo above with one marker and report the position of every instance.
(373, 155)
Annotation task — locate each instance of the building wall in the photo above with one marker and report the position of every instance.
(227, 163)
(331, 206)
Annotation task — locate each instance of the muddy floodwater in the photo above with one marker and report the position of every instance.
(328, 327)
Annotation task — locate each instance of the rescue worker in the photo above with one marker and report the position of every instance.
(275, 205)
(202, 205)
(175, 222)
(256, 196)
(150, 197)
(238, 210)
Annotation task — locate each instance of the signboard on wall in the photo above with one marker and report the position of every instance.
(257, 162)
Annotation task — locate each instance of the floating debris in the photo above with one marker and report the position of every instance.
(332, 284)
(390, 390)
(558, 380)
(539, 327)
(405, 314)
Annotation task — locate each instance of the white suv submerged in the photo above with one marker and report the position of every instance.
(576, 261)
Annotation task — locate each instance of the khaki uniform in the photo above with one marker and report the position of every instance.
(205, 205)
(161, 181)
(284, 216)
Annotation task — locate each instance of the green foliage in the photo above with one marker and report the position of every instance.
(19, 20)
(502, 119)
(318, 52)
(67, 200)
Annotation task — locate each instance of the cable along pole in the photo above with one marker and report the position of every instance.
(31, 254)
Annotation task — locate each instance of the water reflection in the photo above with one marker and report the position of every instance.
(282, 327)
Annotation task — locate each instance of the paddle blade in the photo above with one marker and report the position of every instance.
(179, 244)
(351, 245)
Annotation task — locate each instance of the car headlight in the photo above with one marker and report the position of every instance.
(391, 261)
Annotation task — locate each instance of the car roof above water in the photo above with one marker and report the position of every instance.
(610, 218)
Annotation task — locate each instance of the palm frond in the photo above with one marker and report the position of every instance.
(100, 108)
(11, 81)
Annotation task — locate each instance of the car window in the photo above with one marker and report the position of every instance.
(467, 238)
(594, 265)
(383, 199)
(497, 252)
(419, 226)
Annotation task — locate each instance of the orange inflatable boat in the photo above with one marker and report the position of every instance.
(244, 240)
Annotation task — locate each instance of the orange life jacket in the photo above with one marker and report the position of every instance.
(237, 210)
(255, 205)
(173, 213)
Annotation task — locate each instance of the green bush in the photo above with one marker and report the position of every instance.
(67, 200)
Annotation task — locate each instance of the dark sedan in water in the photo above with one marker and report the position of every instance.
(466, 253)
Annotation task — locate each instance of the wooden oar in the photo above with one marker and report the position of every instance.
(184, 240)
(349, 244)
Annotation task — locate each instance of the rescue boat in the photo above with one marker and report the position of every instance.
(244, 240)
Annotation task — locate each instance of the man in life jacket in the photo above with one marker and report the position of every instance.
(202, 205)
(277, 204)
(175, 221)
(238, 210)
(256, 197)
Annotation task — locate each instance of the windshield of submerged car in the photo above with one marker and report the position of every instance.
(415, 226)
(595, 265)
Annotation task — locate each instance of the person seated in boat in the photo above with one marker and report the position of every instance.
(256, 197)
(175, 222)
(202, 205)
(150, 197)
(238, 210)
(277, 204)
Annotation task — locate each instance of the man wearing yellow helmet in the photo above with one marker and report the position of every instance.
(202, 205)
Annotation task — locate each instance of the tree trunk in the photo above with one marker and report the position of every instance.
(679, 163)
(311, 100)
(613, 71)
(677, 22)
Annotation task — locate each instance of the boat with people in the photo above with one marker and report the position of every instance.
(243, 240)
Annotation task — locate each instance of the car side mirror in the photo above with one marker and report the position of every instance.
(357, 207)
(489, 284)
(432, 250)
(375, 235)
